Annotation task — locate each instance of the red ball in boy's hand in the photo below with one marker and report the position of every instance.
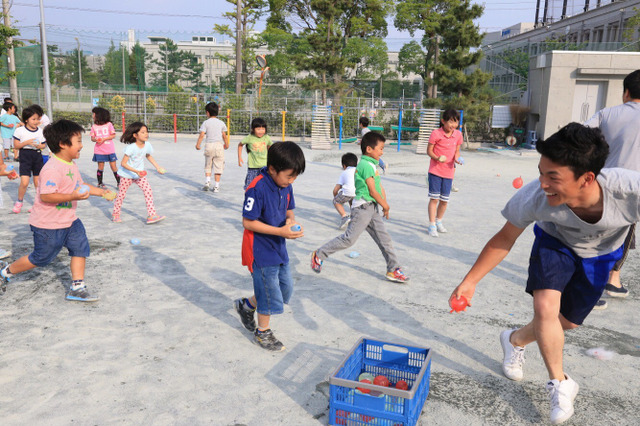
(142, 173)
(458, 304)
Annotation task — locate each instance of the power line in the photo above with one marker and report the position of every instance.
(123, 12)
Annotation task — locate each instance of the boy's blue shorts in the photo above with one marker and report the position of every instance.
(581, 281)
(273, 287)
(48, 243)
(439, 188)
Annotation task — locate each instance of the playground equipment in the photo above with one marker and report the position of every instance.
(429, 121)
(321, 127)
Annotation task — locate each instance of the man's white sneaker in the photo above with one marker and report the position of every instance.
(513, 358)
(562, 395)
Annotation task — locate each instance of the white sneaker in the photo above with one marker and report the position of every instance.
(215, 189)
(432, 231)
(206, 186)
(440, 227)
(562, 394)
(513, 358)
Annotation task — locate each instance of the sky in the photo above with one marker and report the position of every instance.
(95, 24)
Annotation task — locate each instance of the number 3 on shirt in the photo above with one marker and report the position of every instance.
(249, 205)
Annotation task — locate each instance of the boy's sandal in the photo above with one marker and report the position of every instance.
(155, 218)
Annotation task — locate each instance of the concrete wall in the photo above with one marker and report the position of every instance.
(555, 77)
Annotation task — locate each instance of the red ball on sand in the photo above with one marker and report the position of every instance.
(363, 390)
(517, 182)
(458, 304)
(402, 385)
(381, 381)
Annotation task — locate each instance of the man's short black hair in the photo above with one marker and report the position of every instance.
(212, 108)
(583, 149)
(286, 156)
(371, 139)
(632, 84)
(364, 121)
(349, 160)
(60, 132)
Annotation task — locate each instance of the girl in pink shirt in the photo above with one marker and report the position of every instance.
(444, 150)
(104, 151)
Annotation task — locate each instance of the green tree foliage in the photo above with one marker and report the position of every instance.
(176, 66)
(251, 11)
(137, 60)
(67, 71)
(5, 34)
(333, 40)
(444, 53)
(113, 65)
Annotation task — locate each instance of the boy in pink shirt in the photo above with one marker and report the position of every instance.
(444, 150)
(53, 220)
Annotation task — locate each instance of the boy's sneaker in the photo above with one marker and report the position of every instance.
(316, 263)
(513, 358)
(600, 305)
(155, 219)
(614, 291)
(17, 207)
(81, 294)
(206, 186)
(397, 276)
(215, 189)
(562, 395)
(266, 340)
(344, 221)
(4, 280)
(247, 316)
(440, 227)
(432, 231)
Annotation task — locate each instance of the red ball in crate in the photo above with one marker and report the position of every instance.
(363, 390)
(402, 385)
(458, 304)
(381, 381)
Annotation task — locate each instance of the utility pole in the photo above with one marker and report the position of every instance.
(45, 63)
(13, 83)
(124, 84)
(238, 48)
(166, 67)
(79, 64)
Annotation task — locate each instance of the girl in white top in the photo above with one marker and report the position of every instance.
(132, 169)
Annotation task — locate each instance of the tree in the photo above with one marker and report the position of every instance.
(6, 33)
(338, 39)
(448, 35)
(137, 68)
(175, 66)
(113, 67)
(66, 71)
(251, 11)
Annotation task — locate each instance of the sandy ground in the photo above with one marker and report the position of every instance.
(164, 345)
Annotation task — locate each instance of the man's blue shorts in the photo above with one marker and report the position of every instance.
(439, 188)
(48, 243)
(273, 287)
(554, 266)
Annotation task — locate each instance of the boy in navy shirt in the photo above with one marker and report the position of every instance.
(268, 219)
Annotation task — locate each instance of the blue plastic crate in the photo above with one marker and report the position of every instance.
(384, 406)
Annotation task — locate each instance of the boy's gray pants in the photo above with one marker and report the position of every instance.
(364, 217)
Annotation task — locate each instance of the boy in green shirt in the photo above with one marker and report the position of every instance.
(365, 215)
(258, 143)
